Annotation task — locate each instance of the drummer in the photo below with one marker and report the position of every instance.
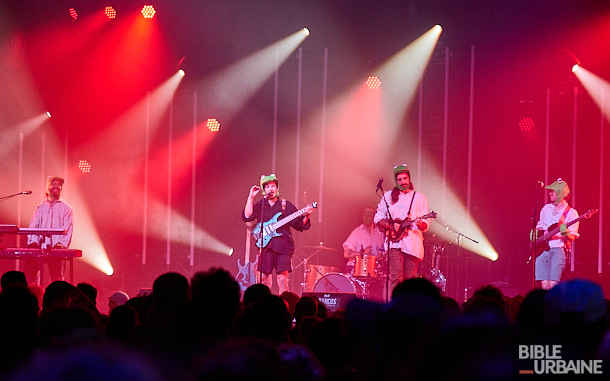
(365, 240)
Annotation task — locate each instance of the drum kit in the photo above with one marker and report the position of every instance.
(367, 272)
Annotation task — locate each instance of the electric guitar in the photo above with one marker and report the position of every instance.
(246, 275)
(542, 243)
(269, 228)
(397, 235)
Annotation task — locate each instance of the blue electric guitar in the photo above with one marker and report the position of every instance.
(269, 228)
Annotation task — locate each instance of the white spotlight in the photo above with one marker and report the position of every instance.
(48, 114)
(181, 73)
(575, 68)
(306, 31)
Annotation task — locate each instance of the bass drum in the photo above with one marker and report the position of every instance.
(315, 272)
(336, 282)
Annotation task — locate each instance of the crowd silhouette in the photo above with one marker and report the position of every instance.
(204, 329)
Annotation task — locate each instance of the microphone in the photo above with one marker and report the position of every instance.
(540, 184)
(26, 192)
(379, 184)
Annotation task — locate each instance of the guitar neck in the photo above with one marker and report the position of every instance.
(550, 234)
(289, 218)
(247, 253)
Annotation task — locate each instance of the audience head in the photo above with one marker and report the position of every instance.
(215, 302)
(170, 292)
(306, 306)
(291, 298)
(57, 295)
(254, 292)
(416, 286)
(10, 278)
(89, 291)
(119, 298)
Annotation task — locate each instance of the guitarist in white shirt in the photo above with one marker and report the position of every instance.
(551, 262)
(406, 249)
(277, 252)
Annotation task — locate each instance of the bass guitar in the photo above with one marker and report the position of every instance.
(542, 243)
(397, 235)
(269, 228)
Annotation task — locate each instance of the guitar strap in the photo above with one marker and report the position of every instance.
(567, 243)
(410, 205)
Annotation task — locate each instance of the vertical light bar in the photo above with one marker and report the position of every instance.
(420, 130)
(323, 139)
(574, 182)
(66, 172)
(445, 130)
(20, 182)
(470, 135)
(275, 109)
(547, 141)
(168, 238)
(43, 154)
(193, 181)
(603, 111)
(146, 172)
(297, 150)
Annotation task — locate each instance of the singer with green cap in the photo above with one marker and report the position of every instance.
(276, 252)
(557, 213)
(406, 250)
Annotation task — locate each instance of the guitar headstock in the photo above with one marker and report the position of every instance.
(590, 213)
(432, 214)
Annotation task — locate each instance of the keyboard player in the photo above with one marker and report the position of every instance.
(52, 213)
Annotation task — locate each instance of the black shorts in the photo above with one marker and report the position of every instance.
(272, 260)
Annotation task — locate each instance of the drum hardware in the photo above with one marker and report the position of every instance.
(313, 272)
(320, 247)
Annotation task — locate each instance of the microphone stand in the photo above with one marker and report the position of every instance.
(534, 248)
(4, 198)
(459, 240)
(260, 246)
(389, 217)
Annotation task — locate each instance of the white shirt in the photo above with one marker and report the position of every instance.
(360, 238)
(56, 215)
(413, 242)
(550, 214)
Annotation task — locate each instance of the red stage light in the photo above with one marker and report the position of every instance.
(148, 11)
(526, 123)
(110, 12)
(84, 166)
(73, 14)
(213, 125)
(373, 82)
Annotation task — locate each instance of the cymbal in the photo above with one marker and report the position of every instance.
(320, 247)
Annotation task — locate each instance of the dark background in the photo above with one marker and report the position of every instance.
(523, 54)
